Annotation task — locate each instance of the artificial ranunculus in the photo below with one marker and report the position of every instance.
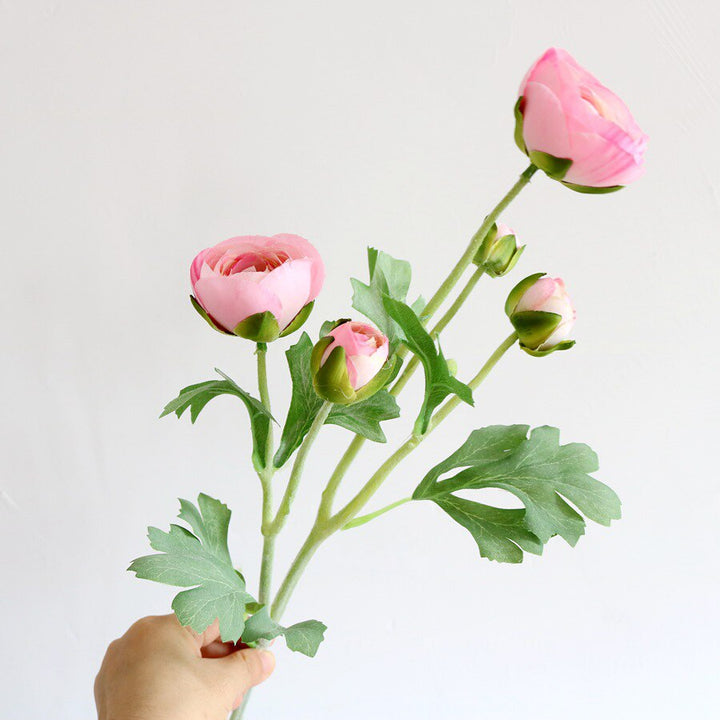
(542, 314)
(257, 287)
(575, 129)
(351, 362)
(499, 251)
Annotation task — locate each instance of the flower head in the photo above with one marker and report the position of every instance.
(575, 129)
(257, 287)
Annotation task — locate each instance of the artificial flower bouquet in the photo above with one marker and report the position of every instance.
(262, 289)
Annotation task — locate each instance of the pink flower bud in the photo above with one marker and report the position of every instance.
(549, 295)
(576, 129)
(251, 275)
(366, 351)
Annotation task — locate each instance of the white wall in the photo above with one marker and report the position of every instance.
(136, 133)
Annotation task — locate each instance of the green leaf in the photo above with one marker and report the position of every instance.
(363, 418)
(201, 562)
(539, 471)
(303, 637)
(197, 396)
(388, 277)
(439, 381)
(500, 534)
(261, 626)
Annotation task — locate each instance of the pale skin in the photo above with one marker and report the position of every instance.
(160, 670)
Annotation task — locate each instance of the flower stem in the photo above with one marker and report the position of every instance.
(358, 521)
(268, 551)
(467, 257)
(298, 466)
(325, 526)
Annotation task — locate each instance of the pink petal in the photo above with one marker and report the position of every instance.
(544, 122)
(233, 298)
(290, 284)
(536, 295)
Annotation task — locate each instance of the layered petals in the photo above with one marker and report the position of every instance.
(252, 274)
(568, 114)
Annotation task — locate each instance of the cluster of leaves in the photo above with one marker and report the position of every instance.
(383, 300)
(539, 471)
(200, 560)
(363, 418)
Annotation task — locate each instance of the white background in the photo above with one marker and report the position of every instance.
(135, 134)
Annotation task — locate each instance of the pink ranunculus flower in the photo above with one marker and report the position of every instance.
(257, 287)
(575, 129)
(542, 313)
(351, 362)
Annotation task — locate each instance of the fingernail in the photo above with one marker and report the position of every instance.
(267, 660)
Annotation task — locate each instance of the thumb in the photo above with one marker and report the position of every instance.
(246, 668)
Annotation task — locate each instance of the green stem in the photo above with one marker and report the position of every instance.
(484, 371)
(308, 549)
(441, 324)
(296, 474)
(268, 551)
(328, 496)
(238, 713)
(324, 527)
(358, 521)
(467, 257)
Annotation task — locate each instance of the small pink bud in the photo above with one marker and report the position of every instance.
(366, 351)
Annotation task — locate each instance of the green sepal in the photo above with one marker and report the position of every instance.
(383, 377)
(498, 256)
(588, 190)
(534, 327)
(552, 166)
(329, 325)
(331, 380)
(299, 320)
(519, 290)
(260, 327)
(203, 314)
(564, 345)
(518, 110)
(513, 261)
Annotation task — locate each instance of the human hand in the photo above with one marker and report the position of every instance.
(160, 670)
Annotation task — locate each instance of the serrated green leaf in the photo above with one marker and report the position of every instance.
(201, 563)
(500, 534)
(305, 637)
(197, 396)
(539, 472)
(388, 277)
(439, 381)
(261, 626)
(363, 418)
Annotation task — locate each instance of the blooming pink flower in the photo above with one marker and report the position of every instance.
(549, 295)
(366, 350)
(568, 114)
(253, 274)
